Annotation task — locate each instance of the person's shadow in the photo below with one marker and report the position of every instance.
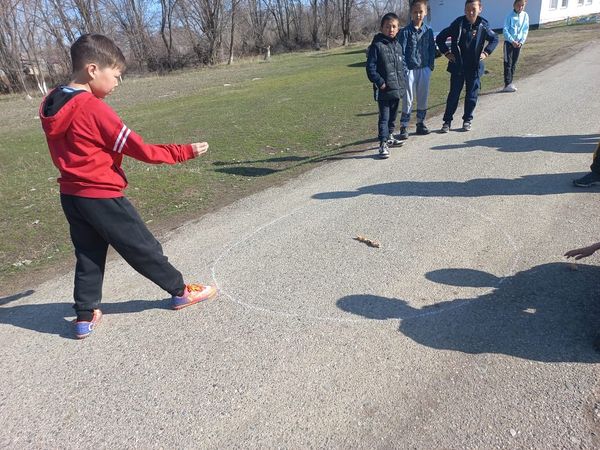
(548, 313)
(51, 317)
(579, 143)
(538, 184)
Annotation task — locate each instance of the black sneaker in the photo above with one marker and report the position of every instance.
(403, 134)
(588, 180)
(422, 129)
(445, 127)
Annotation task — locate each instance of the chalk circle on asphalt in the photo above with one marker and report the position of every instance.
(306, 264)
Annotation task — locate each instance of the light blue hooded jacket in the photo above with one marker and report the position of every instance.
(516, 27)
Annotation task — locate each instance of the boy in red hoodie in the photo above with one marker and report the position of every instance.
(87, 141)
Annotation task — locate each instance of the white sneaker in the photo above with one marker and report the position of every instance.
(510, 88)
(383, 150)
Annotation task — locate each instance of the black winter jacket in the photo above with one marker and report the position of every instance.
(454, 31)
(385, 65)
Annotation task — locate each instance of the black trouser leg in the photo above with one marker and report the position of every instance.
(90, 251)
(394, 104)
(511, 56)
(457, 82)
(117, 223)
(471, 94)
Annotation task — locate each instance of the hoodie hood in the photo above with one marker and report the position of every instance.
(58, 109)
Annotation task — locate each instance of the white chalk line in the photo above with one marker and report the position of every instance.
(455, 304)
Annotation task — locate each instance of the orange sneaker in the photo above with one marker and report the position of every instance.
(192, 294)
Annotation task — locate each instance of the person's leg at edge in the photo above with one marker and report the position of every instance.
(595, 167)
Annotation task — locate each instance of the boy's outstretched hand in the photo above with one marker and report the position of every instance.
(583, 252)
(200, 148)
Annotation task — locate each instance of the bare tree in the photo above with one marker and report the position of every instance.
(10, 59)
(258, 15)
(345, 10)
(234, 6)
(328, 8)
(133, 18)
(167, 8)
(29, 43)
(204, 18)
(89, 14)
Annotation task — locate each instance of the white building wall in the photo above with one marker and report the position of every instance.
(554, 10)
(443, 12)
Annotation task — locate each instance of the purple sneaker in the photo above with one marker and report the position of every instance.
(84, 328)
(192, 294)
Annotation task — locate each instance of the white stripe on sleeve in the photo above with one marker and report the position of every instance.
(124, 140)
(119, 138)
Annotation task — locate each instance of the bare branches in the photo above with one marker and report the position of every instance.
(161, 35)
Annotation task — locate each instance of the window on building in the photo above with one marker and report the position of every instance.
(579, 2)
(588, 2)
(554, 4)
(564, 3)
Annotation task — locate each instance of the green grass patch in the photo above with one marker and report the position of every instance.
(265, 122)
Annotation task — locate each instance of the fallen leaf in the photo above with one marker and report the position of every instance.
(369, 242)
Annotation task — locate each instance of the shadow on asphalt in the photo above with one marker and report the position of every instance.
(51, 318)
(543, 184)
(549, 313)
(12, 298)
(578, 143)
(237, 168)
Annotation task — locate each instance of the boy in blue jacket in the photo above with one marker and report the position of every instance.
(516, 28)
(468, 49)
(385, 69)
(418, 48)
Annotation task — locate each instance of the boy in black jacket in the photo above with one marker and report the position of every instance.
(385, 69)
(469, 34)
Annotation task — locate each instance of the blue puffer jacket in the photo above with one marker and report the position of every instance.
(484, 33)
(385, 65)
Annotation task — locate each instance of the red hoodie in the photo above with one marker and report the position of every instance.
(87, 141)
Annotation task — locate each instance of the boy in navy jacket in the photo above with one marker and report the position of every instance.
(385, 69)
(468, 49)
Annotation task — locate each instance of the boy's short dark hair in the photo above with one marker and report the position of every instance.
(422, 2)
(472, 1)
(389, 16)
(96, 48)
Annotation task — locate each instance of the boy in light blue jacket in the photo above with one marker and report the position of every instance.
(516, 27)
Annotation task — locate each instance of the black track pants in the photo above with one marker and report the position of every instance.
(97, 223)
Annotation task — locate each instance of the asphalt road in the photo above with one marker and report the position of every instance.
(465, 329)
